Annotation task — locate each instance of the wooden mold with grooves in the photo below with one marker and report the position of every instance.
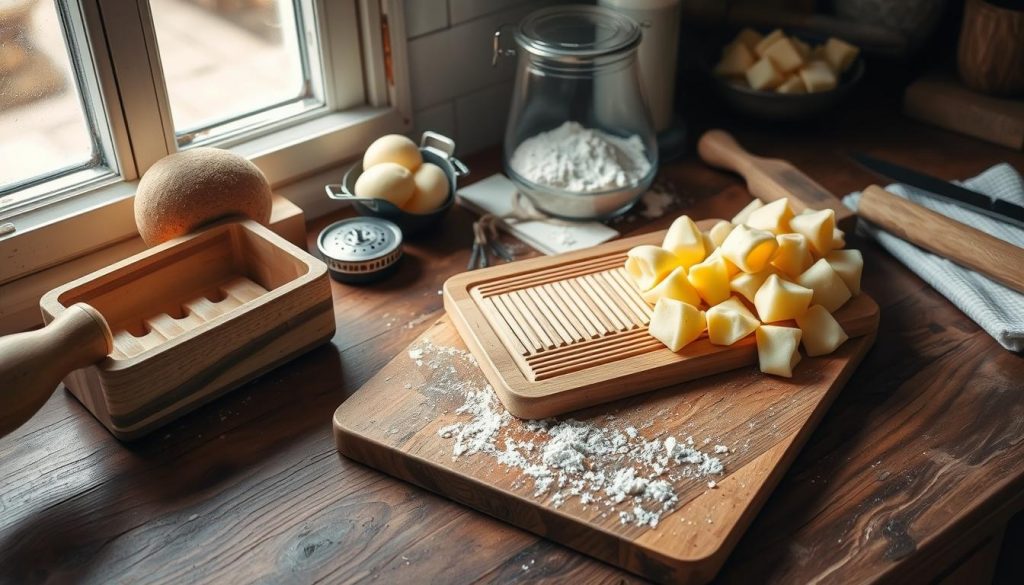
(193, 318)
(561, 333)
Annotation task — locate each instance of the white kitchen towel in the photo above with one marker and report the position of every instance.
(496, 195)
(998, 309)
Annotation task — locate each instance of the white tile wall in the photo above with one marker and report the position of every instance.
(455, 90)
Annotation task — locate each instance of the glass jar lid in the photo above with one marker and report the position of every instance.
(577, 33)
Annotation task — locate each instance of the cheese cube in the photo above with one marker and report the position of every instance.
(768, 41)
(839, 54)
(744, 213)
(647, 265)
(778, 349)
(817, 227)
(731, 268)
(676, 323)
(685, 241)
(801, 47)
(793, 255)
(773, 217)
(848, 264)
(783, 55)
(838, 239)
(711, 279)
(749, 249)
(736, 59)
(729, 322)
(822, 334)
(792, 85)
(763, 75)
(817, 76)
(749, 38)
(829, 289)
(674, 286)
(778, 300)
(719, 231)
(747, 284)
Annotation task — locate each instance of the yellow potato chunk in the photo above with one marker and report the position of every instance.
(674, 286)
(768, 41)
(817, 227)
(778, 349)
(784, 55)
(647, 265)
(838, 239)
(676, 323)
(744, 213)
(778, 300)
(773, 217)
(747, 284)
(763, 75)
(730, 267)
(711, 279)
(729, 322)
(792, 85)
(719, 231)
(839, 54)
(822, 334)
(829, 289)
(736, 59)
(685, 240)
(748, 248)
(801, 47)
(848, 264)
(817, 76)
(749, 38)
(793, 255)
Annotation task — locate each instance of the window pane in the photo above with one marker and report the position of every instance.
(43, 126)
(228, 59)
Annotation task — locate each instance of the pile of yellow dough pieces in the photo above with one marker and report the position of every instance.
(786, 267)
(776, 62)
(393, 170)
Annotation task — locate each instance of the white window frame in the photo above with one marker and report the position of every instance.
(357, 109)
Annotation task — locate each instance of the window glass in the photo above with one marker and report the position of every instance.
(44, 128)
(231, 64)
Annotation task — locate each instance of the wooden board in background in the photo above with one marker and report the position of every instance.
(392, 424)
(556, 334)
(943, 101)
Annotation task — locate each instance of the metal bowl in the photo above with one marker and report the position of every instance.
(772, 106)
(436, 149)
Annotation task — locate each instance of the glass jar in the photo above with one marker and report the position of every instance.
(579, 142)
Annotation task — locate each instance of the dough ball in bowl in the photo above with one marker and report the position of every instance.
(387, 180)
(431, 191)
(393, 148)
(189, 189)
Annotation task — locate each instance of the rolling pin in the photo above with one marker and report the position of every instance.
(1001, 261)
(33, 363)
(771, 179)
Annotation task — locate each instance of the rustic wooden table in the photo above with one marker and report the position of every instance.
(913, 473)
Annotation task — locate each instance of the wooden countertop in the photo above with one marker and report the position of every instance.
(917, 466)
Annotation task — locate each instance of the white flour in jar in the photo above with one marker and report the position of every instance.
(583, 160)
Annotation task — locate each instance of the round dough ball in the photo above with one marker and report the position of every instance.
(387, 180)
(186, 190)
(431, 189)
(393, 148)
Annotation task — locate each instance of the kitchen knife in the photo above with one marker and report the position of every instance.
(935, 187)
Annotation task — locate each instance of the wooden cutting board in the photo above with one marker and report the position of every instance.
(559, 333)
(393, 424)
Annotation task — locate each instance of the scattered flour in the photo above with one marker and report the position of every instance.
(612, 466)
(574, 158)
(656, 203)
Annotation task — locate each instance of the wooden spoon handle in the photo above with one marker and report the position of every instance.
(967, 246)
(771, 179)
(34, 362)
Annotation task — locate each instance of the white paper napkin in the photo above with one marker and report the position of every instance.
(495, 195)
(996, 308)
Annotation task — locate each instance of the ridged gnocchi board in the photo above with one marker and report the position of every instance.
(393, 423)
(560, 333)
